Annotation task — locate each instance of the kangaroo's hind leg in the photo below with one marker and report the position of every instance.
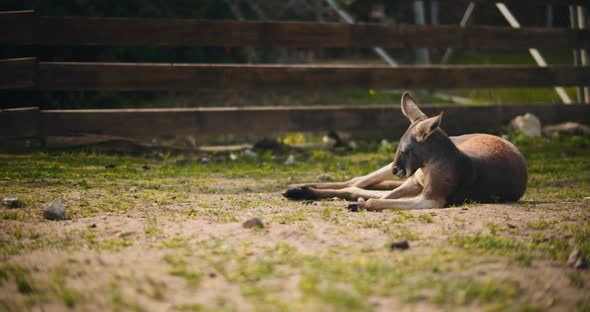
(384, 173)
(351, 193)
(376, 179)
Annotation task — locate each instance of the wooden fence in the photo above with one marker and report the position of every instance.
(255, 122)
(26, 28)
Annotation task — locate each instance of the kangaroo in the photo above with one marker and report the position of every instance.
(438, 170)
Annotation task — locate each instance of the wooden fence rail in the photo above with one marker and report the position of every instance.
(255, 122)
(122, 76)
(25, 73)
(26, 28)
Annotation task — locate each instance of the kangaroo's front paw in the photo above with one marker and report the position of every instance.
(299, 193)
(357, 206)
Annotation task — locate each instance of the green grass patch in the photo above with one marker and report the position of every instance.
(69, 296)
(538, 245)
(114, 244)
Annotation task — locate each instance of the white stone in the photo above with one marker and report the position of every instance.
(528, 124)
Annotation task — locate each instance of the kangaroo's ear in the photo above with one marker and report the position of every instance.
(426, 127)
(410, 109)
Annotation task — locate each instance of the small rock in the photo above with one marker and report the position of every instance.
(233, 156)
(12, 202)
(253, 223)
(204, 160)
(511, 226)
(145, 167)
(93, 226)
(249, 153)
(133, 189)
(528, 124)
(576, 259)
(290, 160)
(402, 245)
(324, 177)
(109, 166)
(55, 211)
(360, 200)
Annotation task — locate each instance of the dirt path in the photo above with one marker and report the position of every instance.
(308, 255)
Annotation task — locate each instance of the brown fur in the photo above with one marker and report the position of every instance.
(500, 168)
(440, 170)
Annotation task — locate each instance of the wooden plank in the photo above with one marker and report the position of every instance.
(17, 27)
(19, 123)
(141, 76)
(256, 122)
(185, 32)
(17, 73)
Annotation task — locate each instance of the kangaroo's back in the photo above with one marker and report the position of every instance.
(500, 172)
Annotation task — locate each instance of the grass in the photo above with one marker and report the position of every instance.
(23, 282)
(179, 268)
(69, 296)
(309, 256)
(115, 244)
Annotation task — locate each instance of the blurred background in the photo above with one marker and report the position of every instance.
(390, 12)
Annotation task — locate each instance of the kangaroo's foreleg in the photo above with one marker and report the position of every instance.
(410, 188)
(418, 202)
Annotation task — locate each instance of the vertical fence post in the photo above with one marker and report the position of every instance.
(576, 52)
(434, 12)
(581, 14)
(548, 15)
(420, 19)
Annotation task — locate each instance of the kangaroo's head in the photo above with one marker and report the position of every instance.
(417, 146)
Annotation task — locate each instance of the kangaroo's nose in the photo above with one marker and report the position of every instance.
(395, 170)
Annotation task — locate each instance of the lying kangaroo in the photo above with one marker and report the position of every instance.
(439, 171)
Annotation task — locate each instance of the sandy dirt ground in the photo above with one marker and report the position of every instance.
(191, 256)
